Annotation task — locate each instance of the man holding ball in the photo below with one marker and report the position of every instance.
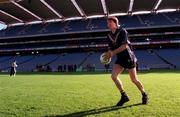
(120, 46)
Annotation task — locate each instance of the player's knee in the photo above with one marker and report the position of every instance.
(134, 81)
(113, 77)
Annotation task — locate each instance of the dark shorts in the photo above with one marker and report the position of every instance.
(13, 71)
(126, 62)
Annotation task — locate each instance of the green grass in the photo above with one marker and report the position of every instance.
(91, 94)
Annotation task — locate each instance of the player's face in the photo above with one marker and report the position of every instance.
(111, 24)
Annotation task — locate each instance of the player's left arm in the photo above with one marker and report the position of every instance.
(119, 50)
(111, 53)
(124, 42)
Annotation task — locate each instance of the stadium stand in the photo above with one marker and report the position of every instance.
(75, 25)
(170, 55)
(42, 60)
(165, 19)
(131, 21)
(154, 20)
(60, 39)
(97, 24)
(147, 59)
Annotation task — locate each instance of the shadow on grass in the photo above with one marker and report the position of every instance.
(94, 111)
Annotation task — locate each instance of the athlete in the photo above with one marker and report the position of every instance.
(120, 46)
(13, 68)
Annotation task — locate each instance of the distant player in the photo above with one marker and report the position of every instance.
(120, 46)
(13, 68)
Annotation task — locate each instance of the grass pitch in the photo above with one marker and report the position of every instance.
(87, 94)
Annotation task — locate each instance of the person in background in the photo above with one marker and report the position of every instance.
(13, 68)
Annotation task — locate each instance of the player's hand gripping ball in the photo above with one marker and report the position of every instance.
(105, 58)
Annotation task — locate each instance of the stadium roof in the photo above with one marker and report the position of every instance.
(36, 11)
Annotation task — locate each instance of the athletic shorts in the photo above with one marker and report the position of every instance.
(126, 60)
(128, 64)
